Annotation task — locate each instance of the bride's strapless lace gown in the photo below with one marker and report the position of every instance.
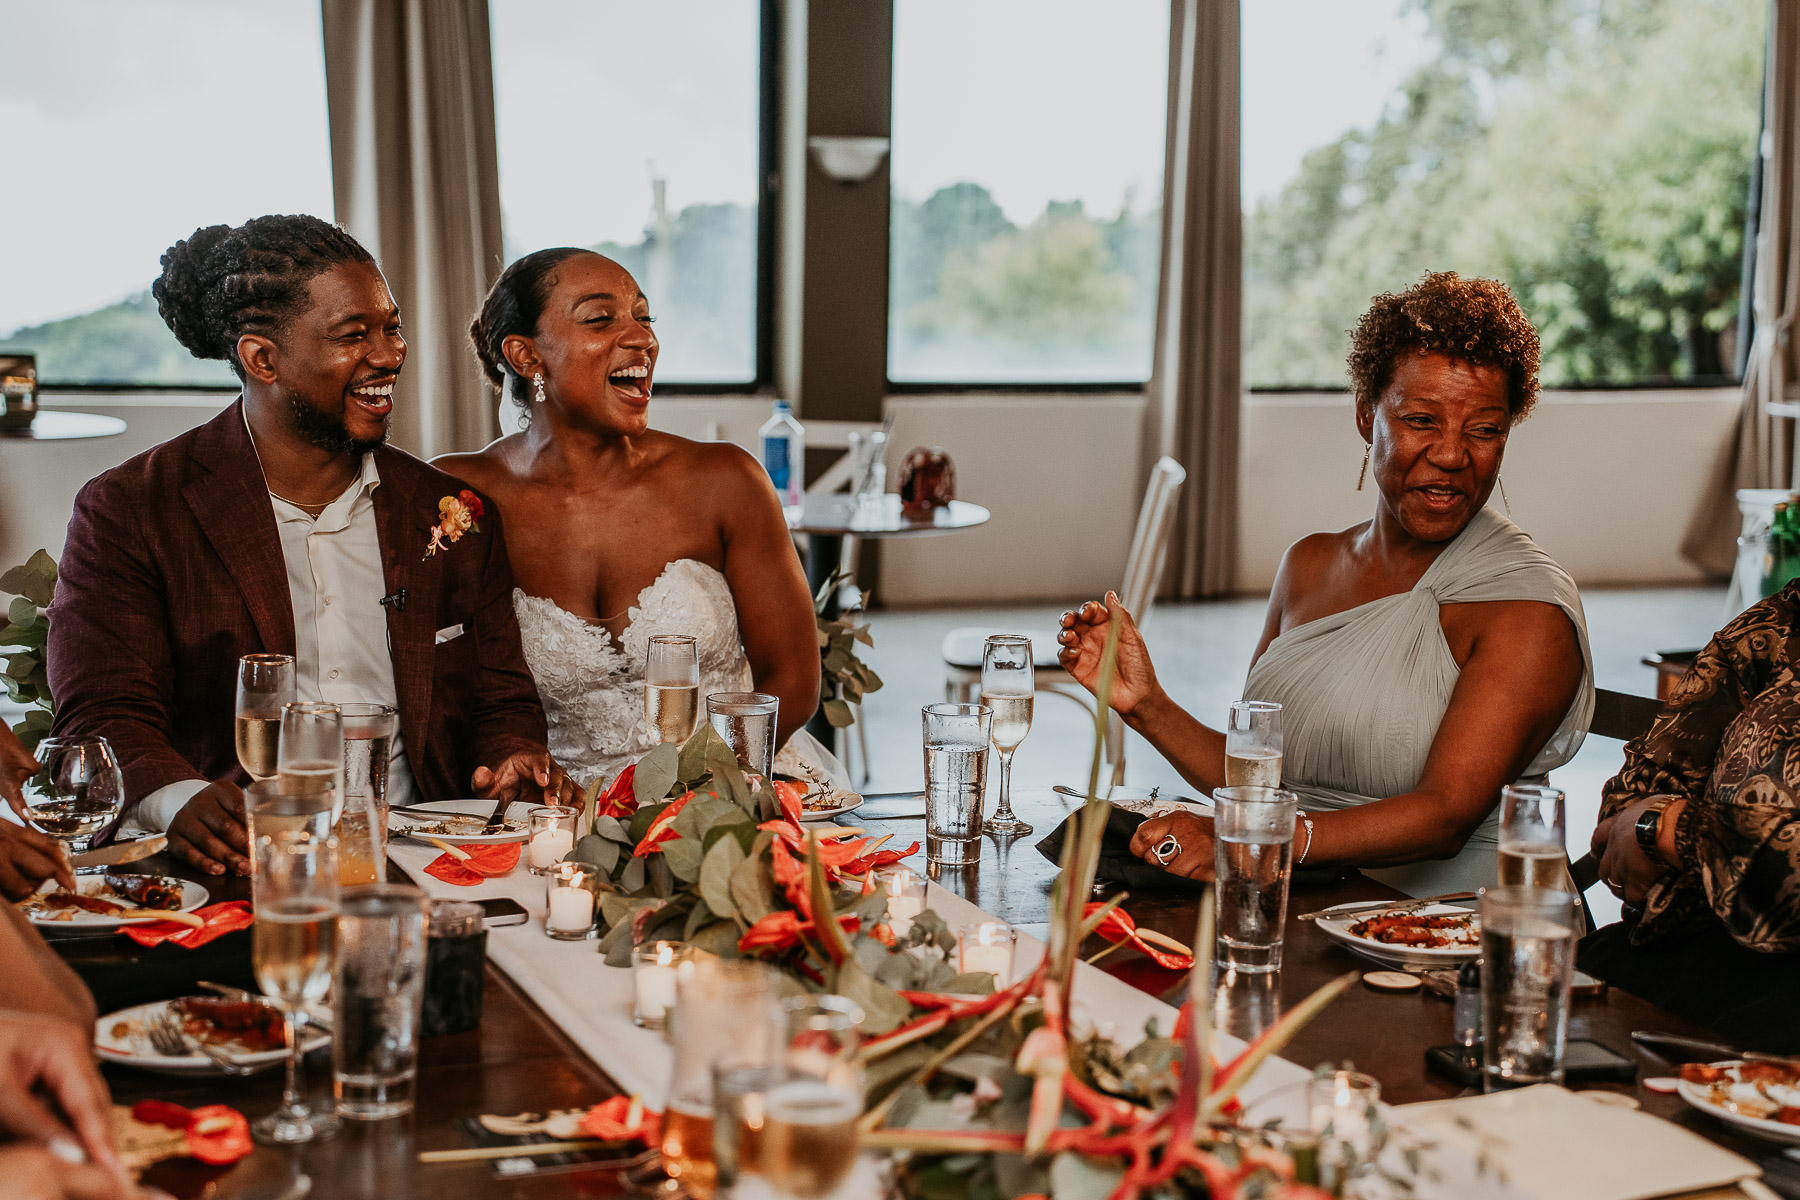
(593, 688)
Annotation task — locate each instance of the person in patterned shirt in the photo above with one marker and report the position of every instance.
(1699, 835)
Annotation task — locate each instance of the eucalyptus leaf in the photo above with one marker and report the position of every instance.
(1077, 1177)
(973, 983)
(683, 858)
(661, 878)
(616, 945)
(21, 611)
(656, 773)
(692, 764)
(739, 830)
(715, 876)
(883, 1009)
(20, 666)
(838, 713)
(752, 888)
(632, 878)
(612, 830)
(720, 938)
(702, 915)
(597, 850)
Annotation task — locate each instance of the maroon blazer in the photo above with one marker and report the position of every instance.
(173, 569)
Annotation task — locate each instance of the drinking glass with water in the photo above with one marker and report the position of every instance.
(746, 720)
(957, 737)
(377, 1000)
(362, 830)
(1527, 961)
(1253, 861)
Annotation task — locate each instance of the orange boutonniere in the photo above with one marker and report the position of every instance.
(457, 515)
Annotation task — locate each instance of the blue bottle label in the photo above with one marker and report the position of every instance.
(775, 458)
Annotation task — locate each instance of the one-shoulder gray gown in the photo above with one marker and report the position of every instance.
(1363, 690)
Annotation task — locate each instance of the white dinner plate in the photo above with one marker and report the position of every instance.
(122, 1037)
(78, 922)
(404, 825)
(826, 814)
(1338, 930)
(1697, 1095)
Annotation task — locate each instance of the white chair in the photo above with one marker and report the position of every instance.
(1143, 571)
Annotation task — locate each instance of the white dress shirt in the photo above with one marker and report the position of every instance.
(335, 583)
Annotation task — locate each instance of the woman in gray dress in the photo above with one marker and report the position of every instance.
(1424, 658)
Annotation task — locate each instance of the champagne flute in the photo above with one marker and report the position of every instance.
(1253, 744)
(310, 758)
(294, 952)
(265, 686)
(806, 1146)
(79, 791)
(1007, 687)
(672, 687)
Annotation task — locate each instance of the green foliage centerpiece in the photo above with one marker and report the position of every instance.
(27, 628)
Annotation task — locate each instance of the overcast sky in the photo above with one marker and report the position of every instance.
(128, 123)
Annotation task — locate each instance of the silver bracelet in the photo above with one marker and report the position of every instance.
(1306, 821)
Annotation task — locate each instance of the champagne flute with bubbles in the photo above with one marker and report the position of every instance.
(1253, 745)
(310, 758)
(265, 686)
(672, 687)
(1007, 687)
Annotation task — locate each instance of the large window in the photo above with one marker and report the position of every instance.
(1593, 155)
(634, 129)
(1027, 177)
(126, 125)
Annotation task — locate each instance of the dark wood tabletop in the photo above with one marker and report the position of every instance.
(518, 1061)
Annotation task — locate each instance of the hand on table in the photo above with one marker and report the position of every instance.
(209, 831)
(33, 1173)
(43, 1059)
(27, 858)
(16, 766)
(525, 775)
(1083, 642)
(1194, 835)
(1624, 867)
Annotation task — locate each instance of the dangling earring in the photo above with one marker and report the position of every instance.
(537, 387)
(1363, 474)
(1503, 499)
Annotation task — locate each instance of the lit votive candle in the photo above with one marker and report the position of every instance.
(906, 898)
(987, 947)
(1341, 1108)
(654, 966)
(570, 914)
(552, 835)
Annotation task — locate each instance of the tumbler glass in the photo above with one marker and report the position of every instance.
(455, 967)
(807, 1147)
(362, 830)
(1527, 960)
(957, 737)
(377, 1000)
(1253, 863)
(746, 720)
(716, 1001)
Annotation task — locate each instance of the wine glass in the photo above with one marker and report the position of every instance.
(294, 952)
(265, 686)
(79, 791)
(310, 758)
(1007, 687)
(807, 1143)
(1253, 744)
(672, 687)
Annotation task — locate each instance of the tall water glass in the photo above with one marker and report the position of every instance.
(362, 830)
(672, 687)
(310, 760)
(1007, 687)
(868, 463)
(957, 737)
(269, 810)
(265, 686)
(746, 720)
(1253, 861)
(716, 1002)
(377, 1000)
(1527, 959)
(1253, 744)
(807, 1146)
(743, 1075)
(294, 953)
(79, 791)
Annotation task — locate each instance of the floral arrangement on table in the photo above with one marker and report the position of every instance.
(32, 585)
(980, 1093)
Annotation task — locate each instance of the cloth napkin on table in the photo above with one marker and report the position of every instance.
(221, 919)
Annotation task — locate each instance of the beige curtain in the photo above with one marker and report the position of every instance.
(1196, 384)
(1759, 452)
(410, 86)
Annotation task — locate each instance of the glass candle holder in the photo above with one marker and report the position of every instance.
(654, 967)
(570, 895)
(551, 836)
(1343, 1108)
(905, 889)
(989, 947)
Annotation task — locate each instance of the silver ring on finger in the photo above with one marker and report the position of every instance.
(1166, 850)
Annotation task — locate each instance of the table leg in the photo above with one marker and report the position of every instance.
(823, 552)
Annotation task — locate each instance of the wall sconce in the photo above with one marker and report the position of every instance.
(848, 159)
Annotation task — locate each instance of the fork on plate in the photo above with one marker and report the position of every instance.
(168, 1038)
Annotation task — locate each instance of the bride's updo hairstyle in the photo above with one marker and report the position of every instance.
(513, 306)
(222, 283)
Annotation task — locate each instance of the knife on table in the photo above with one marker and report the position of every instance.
(1384, 906)
(120, 852)
(1678, 1049)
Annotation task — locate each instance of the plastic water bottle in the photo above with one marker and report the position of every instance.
(784, 454)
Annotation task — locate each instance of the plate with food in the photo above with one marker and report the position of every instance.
(461, 822)
(1432, 936)
(108, 903)
(249, 1032)
(822, 804)
(1761, 1098)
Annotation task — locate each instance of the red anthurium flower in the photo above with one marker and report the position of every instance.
(216, 1134)
(660, 831)
(1117, 926)
(790, 796)
(484, 862)
(881, 858)
(790, 876)
(783, 930)
(618, 800)
(623, 1119)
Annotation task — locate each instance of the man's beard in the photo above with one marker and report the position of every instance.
(328, 432)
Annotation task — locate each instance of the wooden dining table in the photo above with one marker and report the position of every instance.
(519, 1061)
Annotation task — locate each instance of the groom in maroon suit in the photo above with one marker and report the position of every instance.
(285, 525)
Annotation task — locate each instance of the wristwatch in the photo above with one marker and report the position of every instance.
(1649, 826)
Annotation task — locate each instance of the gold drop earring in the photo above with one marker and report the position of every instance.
(1364, 472)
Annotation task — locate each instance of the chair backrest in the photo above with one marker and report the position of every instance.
(1621, 715)
(1150, 542)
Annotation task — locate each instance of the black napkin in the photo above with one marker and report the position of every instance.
(139, 976)
(1118, 863)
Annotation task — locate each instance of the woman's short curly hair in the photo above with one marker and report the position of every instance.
(1475, 320)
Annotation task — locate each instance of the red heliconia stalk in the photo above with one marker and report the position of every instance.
(837, 946)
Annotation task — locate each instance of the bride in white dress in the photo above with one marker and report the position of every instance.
(617, 532)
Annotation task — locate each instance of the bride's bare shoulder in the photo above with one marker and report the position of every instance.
(486, 469)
